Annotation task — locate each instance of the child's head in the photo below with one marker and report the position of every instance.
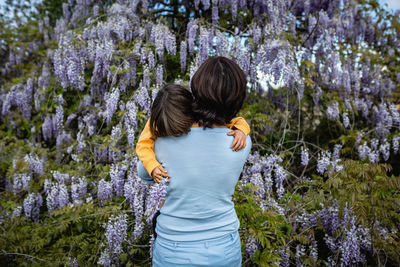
(171, 112)
(219, 89)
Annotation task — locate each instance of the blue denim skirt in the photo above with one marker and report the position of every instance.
(221, 251)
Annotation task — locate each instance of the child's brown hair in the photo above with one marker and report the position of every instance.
(171, 112)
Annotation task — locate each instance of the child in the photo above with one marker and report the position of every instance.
(171, 115)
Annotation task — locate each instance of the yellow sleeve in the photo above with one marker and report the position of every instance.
(145, 149)
(240, 124)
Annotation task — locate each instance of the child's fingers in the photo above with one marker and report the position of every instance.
(157, 176)
(234, 143)
(231, 133)
(164, 172)
(242, 145)
(238, 144)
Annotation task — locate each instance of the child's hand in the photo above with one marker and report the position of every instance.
(239, 140)
(158, 173)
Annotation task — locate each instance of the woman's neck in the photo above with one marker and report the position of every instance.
(212, 126)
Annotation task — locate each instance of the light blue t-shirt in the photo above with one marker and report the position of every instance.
(204, 171)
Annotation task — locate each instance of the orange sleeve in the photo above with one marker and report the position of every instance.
(240, 124)
(145, 149)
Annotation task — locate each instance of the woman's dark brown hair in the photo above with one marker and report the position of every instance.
(219, 89)
(171, 112)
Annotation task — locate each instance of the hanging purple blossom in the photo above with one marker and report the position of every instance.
(170, 42)
(47, 128)
(35, 164)
(158, 33)
(63, 195)
(117, 174)
(251, 247)
(129, 188)
(363, 151)
(395, 145)
(58, 120)
(183, 53)
(116, 233)
(60, 177)
(104, 191)
(138, 208)
(336, 151)
(214, 12)
(346, 120)
(332, 112)
(111, 104)
(16, 212)
(280, 177)
(26, 178)
(285, 255)
(206, 4)
(142, 97)
(323, 162)
(159, 76)
(350, 248)
(203, 44)
(155, 196)
(304, 156)
(150, 59)
(17, 184)
(32, 204)
(192, 32)
(78, 188)
(384, 149)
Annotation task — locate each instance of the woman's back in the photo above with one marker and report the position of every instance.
(204, 171)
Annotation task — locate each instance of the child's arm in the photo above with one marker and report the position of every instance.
(240, 130)
(145, 152)
(240, 124)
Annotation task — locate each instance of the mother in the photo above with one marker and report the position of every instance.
(198, 225)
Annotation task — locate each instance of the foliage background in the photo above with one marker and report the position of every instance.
(321, 187)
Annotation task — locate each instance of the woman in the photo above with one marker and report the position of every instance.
(198, 225)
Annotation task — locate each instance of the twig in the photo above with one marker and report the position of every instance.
(21, 254)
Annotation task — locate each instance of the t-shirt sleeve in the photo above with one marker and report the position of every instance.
(239, 123)
(145, 149)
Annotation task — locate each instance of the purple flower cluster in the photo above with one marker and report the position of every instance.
(154, 198)
(183, 55)
(332, 111)
(354, 239)
(329, 162)
(142, 98)
(32, 204)
(251, 247)
(57, 196)
(111, 100)
(117, 174)
(21, 97)
(78, 189)
(104, 191)
(304, 156)
(35, 164)
(375, 149)
(116, 233)
(16, 212)
(260, 172)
